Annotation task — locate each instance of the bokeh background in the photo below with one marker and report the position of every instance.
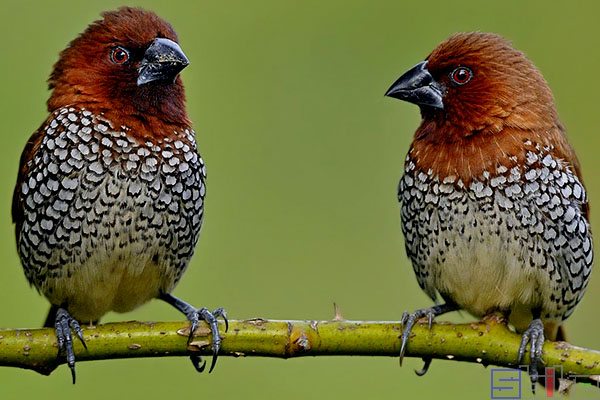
(303, 155)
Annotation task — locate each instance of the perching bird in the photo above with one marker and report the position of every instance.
(110, 193)
(493, 207)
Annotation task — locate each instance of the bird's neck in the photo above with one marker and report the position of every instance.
(149, 127)
(477, 155)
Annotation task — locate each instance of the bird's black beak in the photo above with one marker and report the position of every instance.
(163, 60)
(418, 86)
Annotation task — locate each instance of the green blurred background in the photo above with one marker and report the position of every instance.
(304, 154)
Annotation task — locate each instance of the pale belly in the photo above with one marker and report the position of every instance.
(501, 244)
(484, 270)
(120, 283)
(123, 266)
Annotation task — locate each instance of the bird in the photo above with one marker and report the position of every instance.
(494, 211)
(109, 199)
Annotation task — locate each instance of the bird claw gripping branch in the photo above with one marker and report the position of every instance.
(211, 320)
(63, 325)
(493, 208)
(109, 200)
(534, 335)
(409, 320)
(195, 315)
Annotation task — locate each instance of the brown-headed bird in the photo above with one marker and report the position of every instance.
(109, 199)
(493, 208)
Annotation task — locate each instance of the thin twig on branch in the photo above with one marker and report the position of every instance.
(486, 342)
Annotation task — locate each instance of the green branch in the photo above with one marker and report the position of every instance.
(485, 342)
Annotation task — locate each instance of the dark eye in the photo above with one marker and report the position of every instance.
(461, 75)
(119, 55)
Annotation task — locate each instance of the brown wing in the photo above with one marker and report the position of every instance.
(25, 165)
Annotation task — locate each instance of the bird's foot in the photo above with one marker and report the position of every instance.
(535, 335)
(195, 315)
(409, 320)
(63, 324)
(203, 314)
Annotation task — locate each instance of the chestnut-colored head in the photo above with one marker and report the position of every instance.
(484, 105)
(126, 66)
(478, 83)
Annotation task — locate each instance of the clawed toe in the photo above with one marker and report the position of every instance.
(211, 319)
(63, 325)
(535, 336)
(425, 368)
(197, 362)
(220, 312)
(409, 320)
(195, 315)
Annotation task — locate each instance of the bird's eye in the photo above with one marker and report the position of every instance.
(119, 55)
(461, 75)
